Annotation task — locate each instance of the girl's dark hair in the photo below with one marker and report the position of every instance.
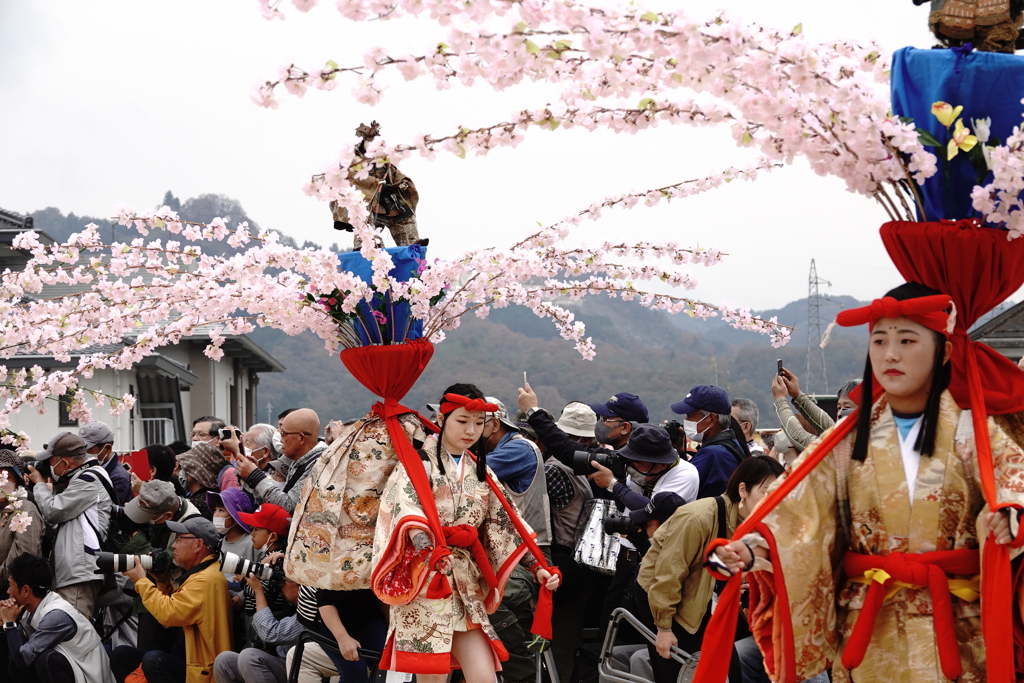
(469, 391)
(752, 471)
(925, 444)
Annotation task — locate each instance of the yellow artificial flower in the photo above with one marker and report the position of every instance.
(946, 113)
(961, 140)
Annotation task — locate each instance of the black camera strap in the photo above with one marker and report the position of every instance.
(721, 516)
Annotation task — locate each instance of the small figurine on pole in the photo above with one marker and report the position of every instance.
(391, 196)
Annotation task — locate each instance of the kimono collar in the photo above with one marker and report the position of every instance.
(453, 401)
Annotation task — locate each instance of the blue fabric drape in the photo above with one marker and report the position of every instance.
(407, 262)
(987, 84)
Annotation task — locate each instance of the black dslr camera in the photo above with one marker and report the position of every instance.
(581, 463)
(619, 524)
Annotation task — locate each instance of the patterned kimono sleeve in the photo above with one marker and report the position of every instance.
(1008, 462)
(399, 572)
(501, 542)
(792, 612)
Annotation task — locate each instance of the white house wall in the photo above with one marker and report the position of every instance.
(41, 428)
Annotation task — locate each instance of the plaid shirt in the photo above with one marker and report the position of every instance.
(560, 488)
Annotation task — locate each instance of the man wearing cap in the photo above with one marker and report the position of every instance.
(517, 463)
(14, 543)
(99, 441)
(200, 604)
(156, 504)
(615, 420)
(80, 508)
(662, 506)
(709, 422)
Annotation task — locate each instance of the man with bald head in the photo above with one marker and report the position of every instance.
(299, 432)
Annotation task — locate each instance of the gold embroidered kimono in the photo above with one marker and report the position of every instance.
(844, 505)
(422, 628)
(330, 545)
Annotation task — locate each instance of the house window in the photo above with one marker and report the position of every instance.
(64, 416)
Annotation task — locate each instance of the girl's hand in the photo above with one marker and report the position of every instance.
(548, 580)
(999, 524)
(734, 556)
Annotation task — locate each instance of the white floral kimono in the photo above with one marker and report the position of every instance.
(422, 627)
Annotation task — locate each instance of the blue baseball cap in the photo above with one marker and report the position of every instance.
(625, 405)
(706, 397)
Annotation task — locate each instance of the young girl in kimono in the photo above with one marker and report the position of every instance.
(439, 619)
(896, 505)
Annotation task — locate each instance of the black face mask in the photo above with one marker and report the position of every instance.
(846, 411)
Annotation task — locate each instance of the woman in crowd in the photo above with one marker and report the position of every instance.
(14, 543)
(673, 592)
(902, 486)
(439, 618)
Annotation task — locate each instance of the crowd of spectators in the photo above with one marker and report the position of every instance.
(195, 589)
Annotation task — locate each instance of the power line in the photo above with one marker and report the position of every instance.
(817, 374)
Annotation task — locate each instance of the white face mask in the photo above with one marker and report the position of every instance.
(690, 427)
(221, 523)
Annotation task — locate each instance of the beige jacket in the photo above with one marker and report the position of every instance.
(672, 573)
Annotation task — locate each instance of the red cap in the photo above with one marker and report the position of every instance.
(268, 516)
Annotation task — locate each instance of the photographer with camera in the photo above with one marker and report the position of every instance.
(99, 440)
(199, 604)
(214, 433)
(276, 634)
(615, 421)
(79, 505)
(156, 504)
(647, 465)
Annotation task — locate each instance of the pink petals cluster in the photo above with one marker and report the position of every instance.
(11, 505)
(780, 93)
(140, 295)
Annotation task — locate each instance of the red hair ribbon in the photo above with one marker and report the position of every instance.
(929, 311)
(453, 401)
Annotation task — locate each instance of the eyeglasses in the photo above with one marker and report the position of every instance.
(284, 433)
(611, 420)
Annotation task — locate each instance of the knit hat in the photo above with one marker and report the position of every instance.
(577, 419)
(203, 463)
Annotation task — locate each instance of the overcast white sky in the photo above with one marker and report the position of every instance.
(108, 101)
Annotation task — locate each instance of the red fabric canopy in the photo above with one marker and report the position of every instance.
(978, 268)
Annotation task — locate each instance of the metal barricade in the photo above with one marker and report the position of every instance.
(688, 661)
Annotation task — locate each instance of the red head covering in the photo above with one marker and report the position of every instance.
(453, 401)
(929, 311)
